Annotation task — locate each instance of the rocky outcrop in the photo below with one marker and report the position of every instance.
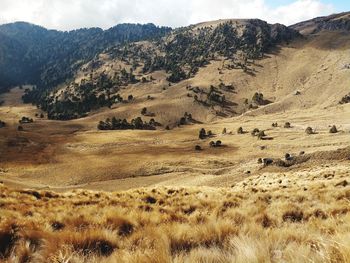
(336, 22)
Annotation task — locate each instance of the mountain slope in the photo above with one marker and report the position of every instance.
(32, 54)
(176, 57)
(339, 22)
(289, 75)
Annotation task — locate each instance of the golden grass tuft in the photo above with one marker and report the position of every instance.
(192, 224)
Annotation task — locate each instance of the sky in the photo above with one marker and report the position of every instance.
(73, 14)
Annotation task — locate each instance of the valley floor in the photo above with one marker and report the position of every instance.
(74, 154)
(174, 204)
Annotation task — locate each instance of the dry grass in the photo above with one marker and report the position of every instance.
(271, 214)
(294, 218)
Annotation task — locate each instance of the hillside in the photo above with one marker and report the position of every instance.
(229, 46)
(46, 58)
(288, 77)
(335, 22)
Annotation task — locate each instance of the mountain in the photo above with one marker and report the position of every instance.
(179, 55)
(339, 22)
(46, 58)
(210, 70)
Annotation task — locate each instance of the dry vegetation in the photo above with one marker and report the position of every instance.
(198, 203)
(291, 217)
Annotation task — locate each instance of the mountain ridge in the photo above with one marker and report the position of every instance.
(339, 21)
(59, 51)
(172, 55)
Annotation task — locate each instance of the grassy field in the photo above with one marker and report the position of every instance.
(290, 217)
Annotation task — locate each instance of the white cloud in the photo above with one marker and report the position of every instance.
(71, 14)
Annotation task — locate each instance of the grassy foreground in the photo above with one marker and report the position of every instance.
(291, 217)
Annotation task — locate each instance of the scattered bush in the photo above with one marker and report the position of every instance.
(287, 125)
(215, 144)
(198, 148)
(275, 124)
(345, 99)
(333, 129)
(261, 135)
(267, 161)
(144, 111)
(202, 134)
(224, 131)
(136, 124)
(255, 132)
(25, 120)
(258, 98)
(309, 130)
(20, 128)
(240, 130)
(186, 119)
(288, 157)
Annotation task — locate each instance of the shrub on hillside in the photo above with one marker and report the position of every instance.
(287, 125)
(345, 99)
(135, 124)
(202, 134)
(215, 144)
(144, 111)
(333, 129)
(25, 120)
(261, 135)
(186, 119)
(258, 98)
(255, 132)
(309, 130)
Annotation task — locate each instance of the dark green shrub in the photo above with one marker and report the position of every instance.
(255, 132)
(333, 129)
(287, 125)
(202, 134)
(309, 130)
